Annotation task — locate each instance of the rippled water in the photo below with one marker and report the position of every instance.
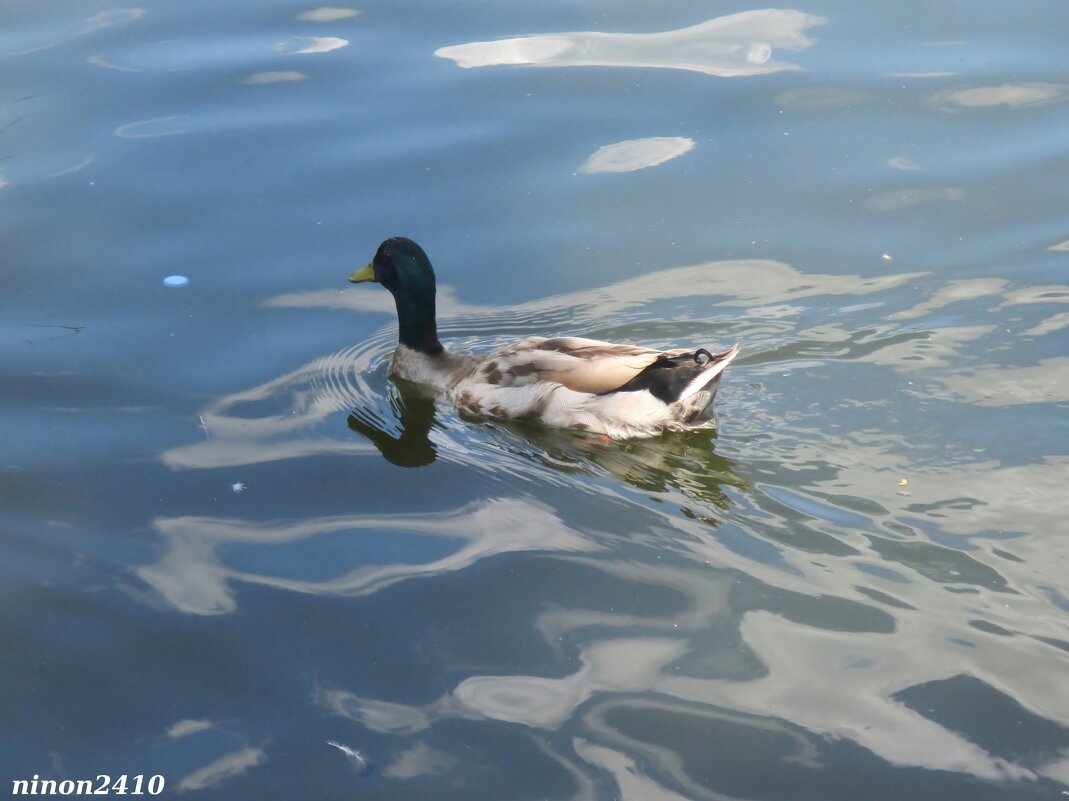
(237, 555)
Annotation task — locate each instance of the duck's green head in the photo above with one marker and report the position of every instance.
(402, 267)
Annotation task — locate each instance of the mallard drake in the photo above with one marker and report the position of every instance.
(605, 388)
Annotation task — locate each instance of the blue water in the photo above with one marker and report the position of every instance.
(228, 539)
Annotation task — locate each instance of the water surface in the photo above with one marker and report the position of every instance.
(233, 548)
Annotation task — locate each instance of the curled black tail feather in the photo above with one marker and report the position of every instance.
(668, 377)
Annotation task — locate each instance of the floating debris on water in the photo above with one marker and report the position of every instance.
(352, 753)
(175, 280)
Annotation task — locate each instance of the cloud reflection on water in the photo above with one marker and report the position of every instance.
(637, 154)
(1010, 95)
(419, 760)
(327, 14)
(306, 45)
(276, 76)
(149, 129)
(898, 199)
(1047, 381)
(815, 594)
(192, 577)
(222, 769)
(835, 685)
(630, 781)
(901, 163)
(99, 21)
(728, 46)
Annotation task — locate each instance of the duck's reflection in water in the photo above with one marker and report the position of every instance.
(675, 462)
(414, 410)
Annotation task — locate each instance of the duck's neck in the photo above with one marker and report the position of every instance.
(416, 324)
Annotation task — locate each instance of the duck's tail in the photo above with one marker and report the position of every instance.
(710, 366)
(685, 381)
(698, 393)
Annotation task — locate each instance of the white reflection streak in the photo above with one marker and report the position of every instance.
(186, 727)
(848, 706)
(327, 14)
(242, 440)
(901, 163)
(105, 19)
(954, 292)
(740, 283)
(225, 767)
(855, 706)
(898, 199)
(939, 348)
(849, 677)
(669, 762)
(612, 665)
(868, 668)
(191, 577)
(278, 76)
(633, 786)
(729, 46)
(419, 760)
(127, 131)
(98, 60)
(1044, 382)
(1056, 322)
(306, 45)
(80, 166)
(380, 716)
(1049, 293)
(1011, 95)
(637, 154)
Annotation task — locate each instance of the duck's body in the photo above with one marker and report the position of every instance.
(612, 389)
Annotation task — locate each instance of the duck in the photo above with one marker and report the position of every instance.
(615, 390)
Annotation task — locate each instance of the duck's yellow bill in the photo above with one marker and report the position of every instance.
(366, 273)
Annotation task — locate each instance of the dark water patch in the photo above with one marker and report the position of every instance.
(940, 564)
(990, 628)
(715, 751)
(833, 614)
(884, 598)
(969, 705)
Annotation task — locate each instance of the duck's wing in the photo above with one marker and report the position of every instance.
(582, 365)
